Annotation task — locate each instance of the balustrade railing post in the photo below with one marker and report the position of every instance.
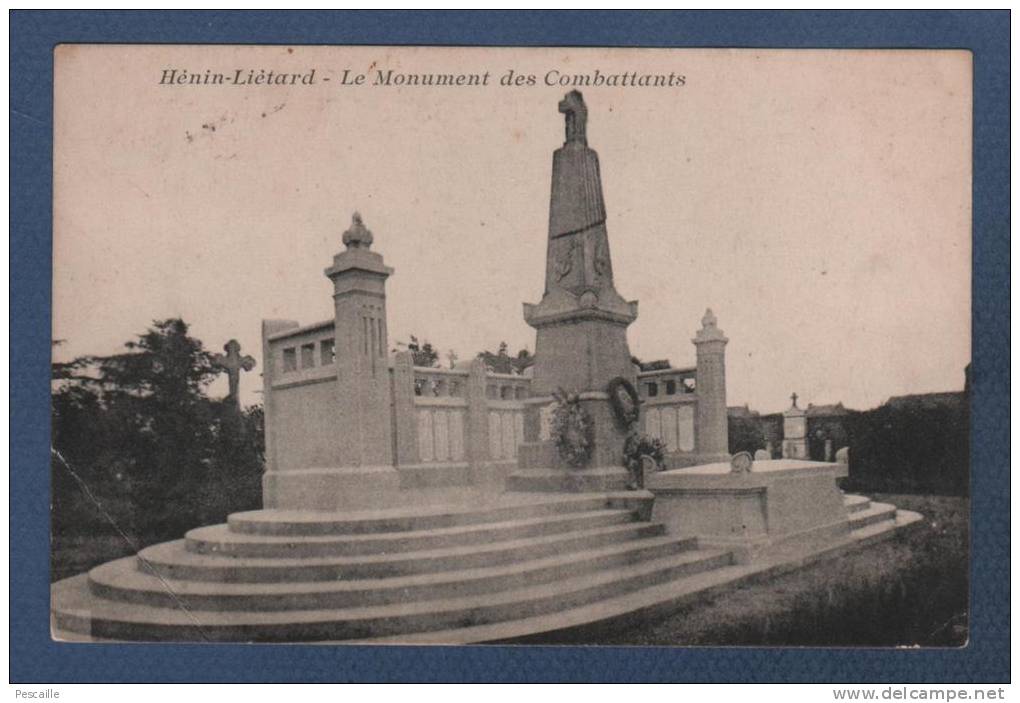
(477, 444)
(405, 420)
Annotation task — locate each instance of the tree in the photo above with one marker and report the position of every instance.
(137, 441)
(502, 362)
(422, 353)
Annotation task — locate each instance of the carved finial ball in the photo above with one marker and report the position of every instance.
(709, 320)
(358, 236)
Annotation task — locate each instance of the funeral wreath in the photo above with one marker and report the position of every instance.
(573, 430)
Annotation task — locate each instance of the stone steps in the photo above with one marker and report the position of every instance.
(219, 539)
(875, 513)
(173, 560)
(77, 610)
(526, 564)
(280, 522)
(855, 503)
(122, 581)
(289, 576)
(586, 622)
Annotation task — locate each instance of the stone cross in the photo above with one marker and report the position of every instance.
(234, 363)
(794, 399)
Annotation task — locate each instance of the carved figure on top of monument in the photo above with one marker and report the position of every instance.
(577, 185)
(358, 236)
(572, 105)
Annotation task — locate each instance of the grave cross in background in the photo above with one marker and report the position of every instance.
(794, 399)
(233, 363)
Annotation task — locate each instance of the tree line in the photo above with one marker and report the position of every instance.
(139, 448)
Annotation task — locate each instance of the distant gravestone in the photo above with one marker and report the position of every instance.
(828, 450)
(762, 455)
(843, 456)
(795, 431)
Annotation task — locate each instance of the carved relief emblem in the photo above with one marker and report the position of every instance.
(601, 260)
(565, 261)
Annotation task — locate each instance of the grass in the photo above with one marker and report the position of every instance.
(73, 555)
(906, 592)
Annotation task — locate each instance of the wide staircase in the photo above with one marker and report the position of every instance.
(498, 570)
(511, 568)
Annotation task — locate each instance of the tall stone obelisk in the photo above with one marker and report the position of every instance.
(581, 321)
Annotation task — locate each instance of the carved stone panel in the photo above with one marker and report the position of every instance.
(456, 435)
(685, 428)
(425, 441)
(495, 435)
(440, 421)
(545, 416)
(509, 441)
(653, 423)
(669, 428)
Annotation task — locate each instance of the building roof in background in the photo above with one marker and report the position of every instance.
(826, 410)
(927, 400)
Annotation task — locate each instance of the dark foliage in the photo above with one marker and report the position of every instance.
(140, 451)
(502, 362)
(422, 353)
(746, 434)
(912, 449)
(896, 448)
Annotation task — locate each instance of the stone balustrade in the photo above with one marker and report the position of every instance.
(668, 407)
(300, 355)
(466, 414)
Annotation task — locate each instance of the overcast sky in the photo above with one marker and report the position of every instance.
(818, 201)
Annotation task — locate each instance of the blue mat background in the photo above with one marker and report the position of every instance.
(35, 658)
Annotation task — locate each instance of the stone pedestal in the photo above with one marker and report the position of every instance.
(332, 489)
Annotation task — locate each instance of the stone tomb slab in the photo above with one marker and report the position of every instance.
(778, 503)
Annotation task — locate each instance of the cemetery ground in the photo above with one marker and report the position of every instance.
(905, 592)
(911, 591)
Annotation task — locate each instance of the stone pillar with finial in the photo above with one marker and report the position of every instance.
(359, 302)
(795, 431)
(711, 430)
(360, 472)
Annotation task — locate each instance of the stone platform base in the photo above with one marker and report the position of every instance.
(359, 488)
(523, 567)
(346, 488)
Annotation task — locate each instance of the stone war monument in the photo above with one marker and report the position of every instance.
(407, 504)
